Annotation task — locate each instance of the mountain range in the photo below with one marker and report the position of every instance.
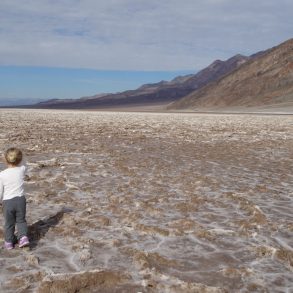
(163, 92)
(264, 78)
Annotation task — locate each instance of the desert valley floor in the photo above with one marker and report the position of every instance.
(149, 202)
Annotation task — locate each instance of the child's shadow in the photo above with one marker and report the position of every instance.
(38, 230)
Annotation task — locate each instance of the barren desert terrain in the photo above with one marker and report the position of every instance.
(150, 202)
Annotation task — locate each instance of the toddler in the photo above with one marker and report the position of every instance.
(14, 201)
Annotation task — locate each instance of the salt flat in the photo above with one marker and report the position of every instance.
(149, 202)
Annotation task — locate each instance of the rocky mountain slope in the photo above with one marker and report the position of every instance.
(161, 92)
(265, 80)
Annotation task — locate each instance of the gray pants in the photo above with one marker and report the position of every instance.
(14, 211)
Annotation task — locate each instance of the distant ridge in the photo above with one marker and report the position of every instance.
(265, 80)
(163, 92)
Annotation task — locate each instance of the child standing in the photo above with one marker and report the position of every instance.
(14, 201)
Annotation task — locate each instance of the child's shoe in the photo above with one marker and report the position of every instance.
(23, 241)
(8, 245)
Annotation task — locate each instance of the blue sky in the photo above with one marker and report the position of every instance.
(26, 85)
(72, 48)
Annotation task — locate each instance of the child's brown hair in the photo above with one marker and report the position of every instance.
(13, 156)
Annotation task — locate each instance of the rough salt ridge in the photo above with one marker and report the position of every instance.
(141, 202)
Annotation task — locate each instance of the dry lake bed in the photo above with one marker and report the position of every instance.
(149, 202)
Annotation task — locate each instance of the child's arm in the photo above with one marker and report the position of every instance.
(1, 191)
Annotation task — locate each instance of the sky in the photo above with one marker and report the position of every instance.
(74, 48)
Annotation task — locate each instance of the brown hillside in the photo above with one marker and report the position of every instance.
(266, 79)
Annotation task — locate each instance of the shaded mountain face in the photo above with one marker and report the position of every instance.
(215, 71)
(161, 92)
(266, 79)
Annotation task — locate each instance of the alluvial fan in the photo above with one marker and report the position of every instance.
(144, 202)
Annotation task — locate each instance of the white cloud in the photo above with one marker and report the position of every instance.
(138, 34)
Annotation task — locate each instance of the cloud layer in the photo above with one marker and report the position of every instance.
(138, 34)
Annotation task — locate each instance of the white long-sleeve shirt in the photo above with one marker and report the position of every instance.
(11, 182)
